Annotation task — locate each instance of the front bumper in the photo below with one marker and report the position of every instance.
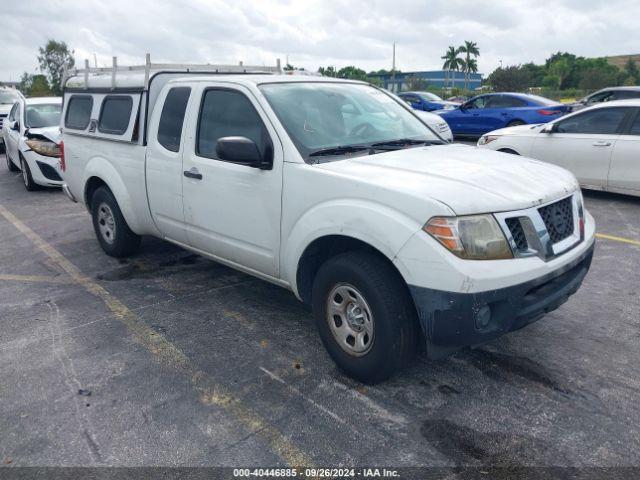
(451, 320)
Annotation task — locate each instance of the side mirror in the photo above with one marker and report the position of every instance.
(244, 151)
(552, 128)
(15, 126)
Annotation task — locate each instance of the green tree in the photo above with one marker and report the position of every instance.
(353, 73)
(471, 51)
(597, 78)
(560, 69)
(34, 85)
(510, 79)
(452, 62)
(328, 71)
(631, 70)
(53, 58)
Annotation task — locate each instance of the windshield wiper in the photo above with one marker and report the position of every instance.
(404, 142)
(340, 150)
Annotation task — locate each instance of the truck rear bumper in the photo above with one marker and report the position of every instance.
(451, 320)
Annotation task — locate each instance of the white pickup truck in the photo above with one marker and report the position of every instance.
(335, 190)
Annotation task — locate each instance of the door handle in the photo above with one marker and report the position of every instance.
(193, 173)
(602, 143)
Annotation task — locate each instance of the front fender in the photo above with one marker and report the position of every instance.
(103, 169)
(378, 225)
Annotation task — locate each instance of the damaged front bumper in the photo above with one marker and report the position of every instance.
(452, 320)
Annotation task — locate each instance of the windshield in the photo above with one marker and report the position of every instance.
(8, 97)
(343, 117)
(43, 115)
(431, 97)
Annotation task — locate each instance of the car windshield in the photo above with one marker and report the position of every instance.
(430, 97)
(43, 115)
(8, 97)
(339, 119)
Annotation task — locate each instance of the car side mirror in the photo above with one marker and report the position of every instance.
(15, 126)
(244, 151)
(553, 128)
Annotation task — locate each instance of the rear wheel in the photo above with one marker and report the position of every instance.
(27, 179)
(365, 316)
(515, 123)
(114, 235)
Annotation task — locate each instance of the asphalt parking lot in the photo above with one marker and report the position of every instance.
(171, 359)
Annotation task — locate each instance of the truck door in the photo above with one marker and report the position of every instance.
(164, 162)
(232, 211)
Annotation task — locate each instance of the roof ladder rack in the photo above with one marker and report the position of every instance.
(148, 67)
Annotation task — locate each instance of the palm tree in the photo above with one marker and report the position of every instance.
(470, 49)
(470, 66)
(451, 62)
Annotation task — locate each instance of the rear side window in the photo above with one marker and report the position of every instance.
(78, 112)
(625, 94)
(172, 118)
(115, 114)
(226, 113)
(599, 121)
(635, 127)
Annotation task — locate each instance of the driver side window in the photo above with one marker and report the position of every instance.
(479, 102)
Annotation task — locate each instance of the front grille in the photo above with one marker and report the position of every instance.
(517, 232)
(558, 218)
(48, 171)
(2, 117)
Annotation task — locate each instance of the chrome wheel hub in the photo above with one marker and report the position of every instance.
(106, 223)
(350, 319)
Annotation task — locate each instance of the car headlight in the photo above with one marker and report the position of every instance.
(473, 237)
(43, 147)
(488, 139)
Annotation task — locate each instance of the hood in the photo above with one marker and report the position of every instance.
(50, 133)
(467, 179)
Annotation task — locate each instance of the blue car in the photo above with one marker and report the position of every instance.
(492, 111)
(427, 101)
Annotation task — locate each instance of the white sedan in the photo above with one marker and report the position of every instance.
(31, 135)
(600, 145)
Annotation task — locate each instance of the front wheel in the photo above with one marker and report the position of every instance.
(10, 165)
(364, 315)
(29, 184)
(114, 235)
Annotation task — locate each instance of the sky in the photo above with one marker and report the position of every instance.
(315, 33)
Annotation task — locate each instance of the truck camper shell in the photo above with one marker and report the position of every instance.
(115, 103)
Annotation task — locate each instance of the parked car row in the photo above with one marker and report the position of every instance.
(600, 145)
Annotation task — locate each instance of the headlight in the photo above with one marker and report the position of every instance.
(488, 139)
(473, 237)
(46, 148)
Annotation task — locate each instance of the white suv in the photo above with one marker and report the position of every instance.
(337, 191)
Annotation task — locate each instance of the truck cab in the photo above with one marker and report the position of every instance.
(335, 190)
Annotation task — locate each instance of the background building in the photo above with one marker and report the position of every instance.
(431, 78)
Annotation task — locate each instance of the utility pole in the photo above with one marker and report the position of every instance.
(95, 60)
(393, 68)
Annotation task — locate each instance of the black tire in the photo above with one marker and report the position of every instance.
(121, 242)
(27, 179)
(508, 150)
(515, 123)
(10, 165)
(395, 324)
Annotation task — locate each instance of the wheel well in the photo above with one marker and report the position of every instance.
(90, 188)
(321, 250)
